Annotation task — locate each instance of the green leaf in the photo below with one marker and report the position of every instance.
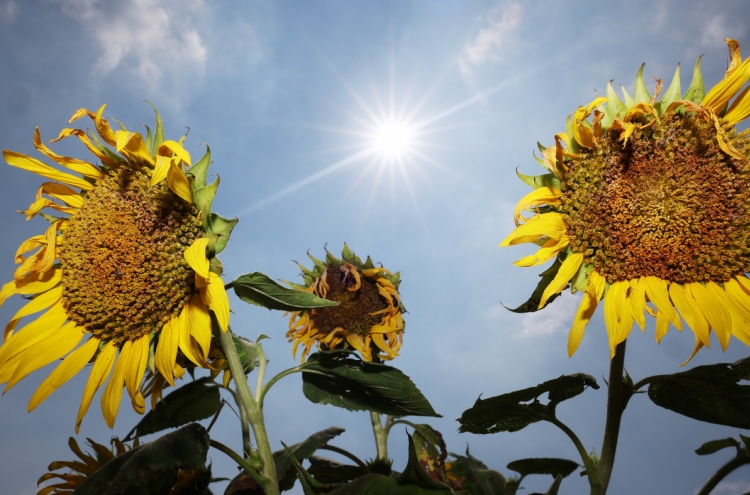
(707, 393)
(149, 140)
(283, 458)
(199, 170)
(203, 198)
(158, 132)
(191, 402)
(221, 228)
(478, 479)
(717, 445)
(614, 108)
(150, 468)
(544, 465)
(629, 102)
(532, 304)
(641, 92)
(328, 471)
(696, 91)
(671, 95)
(356, 385)
(537, 181)
(516, 410)
(554, 487)
(249, 352)
(415, 475)
(256, 288)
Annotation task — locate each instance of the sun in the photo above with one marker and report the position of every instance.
(393, 140)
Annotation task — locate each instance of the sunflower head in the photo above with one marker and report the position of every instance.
(126, 274)
(369, 317)
(646, 204)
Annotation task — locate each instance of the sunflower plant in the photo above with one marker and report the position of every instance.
(644, 206)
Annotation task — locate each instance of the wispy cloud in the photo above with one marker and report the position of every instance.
(147, 37)
(492, 40)
(9, 12)
(732, 488)
(556, 318)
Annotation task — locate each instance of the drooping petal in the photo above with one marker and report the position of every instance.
(188, 345)
(714, 310)
(130, 144)
(662, 326)
(199, 322)
(178, 182)
(99, 373)
(657, 292)
(70, 366)
(169, 147)
(33, 165)
(195, 255)
(112, 394)
(166, 350)
(549, 224)
(33, 332)
(215, 297)
(135, 371)
(84, 168)
(719, 95)
(637, 299)
(569, 268)
(537, 197)
(160, 169)
(585, 311)
(549, 250)
(740, 108)
(36, 283)
(690, 312)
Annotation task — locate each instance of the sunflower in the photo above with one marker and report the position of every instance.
(646, 205)
(186, 481)
(368, 318)
(127, 278)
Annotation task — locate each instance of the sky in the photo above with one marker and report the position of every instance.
(297, 101)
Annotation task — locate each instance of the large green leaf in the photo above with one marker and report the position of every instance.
(283, 458)
(256, 288)
(548, 275)
(356, 385)
(191, 402)
(709, 393)
(544, 465)
(150, 468)
(477, 478)
(516, 410)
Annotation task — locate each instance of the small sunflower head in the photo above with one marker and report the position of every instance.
(646, 204)
(369, 317)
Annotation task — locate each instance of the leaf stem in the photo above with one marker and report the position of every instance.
(259, 478)
(270, 483)
(261, 374)
(741, 459)
(381, 436)
(585, 457)
(345, 453)
(275, 379)
(617, 400)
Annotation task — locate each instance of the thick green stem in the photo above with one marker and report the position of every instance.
(270, 483)
(381, 437)
(727, 468)
(617, 399)
(259, 478)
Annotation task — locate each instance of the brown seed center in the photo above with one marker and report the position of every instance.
(124, 274)
(670, 204)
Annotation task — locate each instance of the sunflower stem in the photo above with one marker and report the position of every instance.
(585, 457)
(740, 460)
(381, 436)
(270, 482)
(617, 400)
(259, 478)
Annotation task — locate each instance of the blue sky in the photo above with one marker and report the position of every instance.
(285, 94)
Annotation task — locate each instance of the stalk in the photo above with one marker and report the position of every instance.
(270, 483)
(617, 399)
(381, 437)
(727, 468)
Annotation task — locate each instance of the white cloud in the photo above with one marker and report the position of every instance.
(731, 488)
(715, 32)
(556, 318)
(9, 12)
(492, 40)
(145, 36)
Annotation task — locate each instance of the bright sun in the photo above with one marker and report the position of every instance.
(393, 140)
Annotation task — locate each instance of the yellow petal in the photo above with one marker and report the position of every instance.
(130, 144)
(65, 133)
(662, 326)
(720, 94)
(76, 165)
(568, 269)
(62, 193)
(657, 292)
(168, 147)
(7, 290)
(99, 373)
(740, 316)
(112, 395)
(36, 283)
(39, 303)
(597, 284)
(33, 332)
(548, 250)
(690, 312)
(383, 345)
(195, 255)
(137, 367)
(64, 340)
(215, 297)
(614, 306)
(740, 108)
(583, 316)
(537, 197)
(166, 350)
(698, 347)
(160, 169)
(188, 345)
(199, 323)
(549, 224)
(637, 299)
(33, 165)
(64, 371)
(103, 128)
(714, 310)
(178, 182)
